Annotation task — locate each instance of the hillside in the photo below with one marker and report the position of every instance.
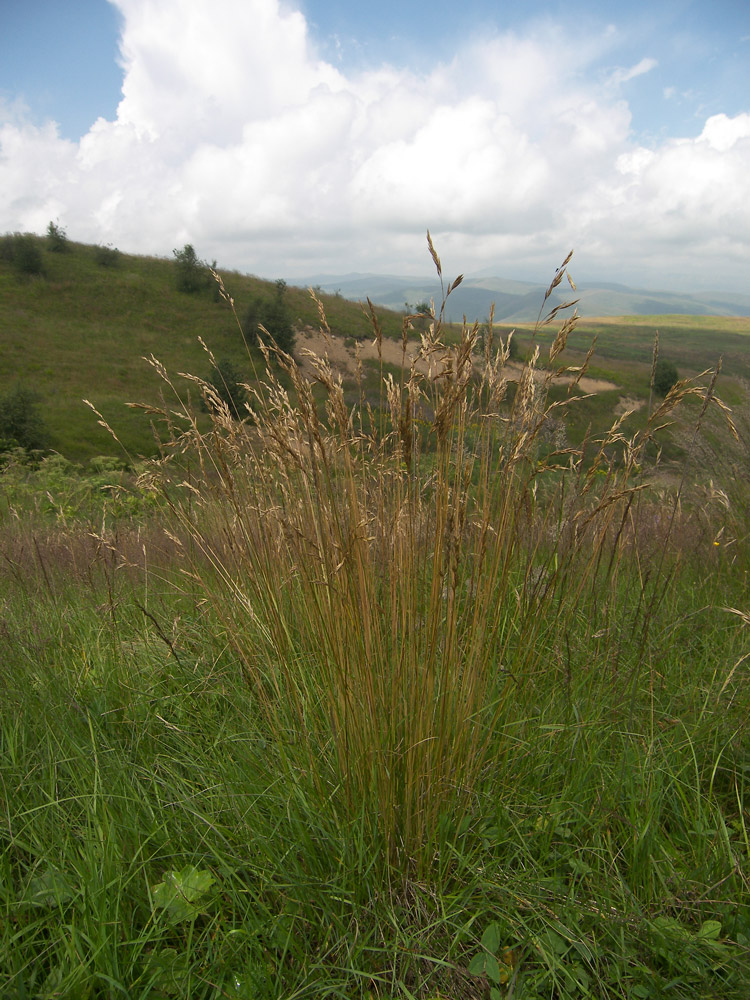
(83, 329)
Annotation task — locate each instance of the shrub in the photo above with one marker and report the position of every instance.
(213, 284)
(423, 315)
(274, 317)
(277, 320)
(665, 376)
(192, 273)
(226, 386)
(57, 239)
(6, 247)
(108, 256)
(20, 422)
(23, 252)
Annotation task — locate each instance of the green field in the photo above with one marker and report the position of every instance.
(431, 688)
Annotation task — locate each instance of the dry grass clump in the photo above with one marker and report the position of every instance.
(393, 579)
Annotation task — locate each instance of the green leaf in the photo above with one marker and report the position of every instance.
(491, 938)
(477, 964)
(180, 892)
(710, 930)
(579, 867)
(493, 969)
(583, 950)
(671, 928)
(556, 944)
(581, 976)
(49, 889)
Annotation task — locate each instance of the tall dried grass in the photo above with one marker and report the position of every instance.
(395, 579)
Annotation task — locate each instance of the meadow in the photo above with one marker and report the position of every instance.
(407, 685)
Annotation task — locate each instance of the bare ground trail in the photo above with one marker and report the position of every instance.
(343, 359)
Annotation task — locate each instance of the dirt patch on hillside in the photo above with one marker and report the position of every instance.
(343, 359)
(626, 403)
(587, 384)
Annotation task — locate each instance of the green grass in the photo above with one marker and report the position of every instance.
(392, 703)
(624, 348)
(609, 834)
(82, 332)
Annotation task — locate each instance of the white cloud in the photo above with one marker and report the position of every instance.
(721, 133)
(234, 134)
(13, 111)
(621, 75)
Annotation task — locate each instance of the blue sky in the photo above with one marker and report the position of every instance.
(301, 137)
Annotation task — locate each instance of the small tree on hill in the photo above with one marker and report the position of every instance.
(665, 376)
(57, 239)
(278, 321)
(107, 256)
(423, 310)
(191, 272)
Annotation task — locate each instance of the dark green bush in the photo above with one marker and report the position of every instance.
(273, 315)
(665, 376)
(20, 422)
(192, 273)
(6, 248)
(22, 250)
(108, 256)
(226, 383)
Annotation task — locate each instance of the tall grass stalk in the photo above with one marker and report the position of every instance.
(395, 576)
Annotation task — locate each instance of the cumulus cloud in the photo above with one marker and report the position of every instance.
(232, 133)
(722, 133)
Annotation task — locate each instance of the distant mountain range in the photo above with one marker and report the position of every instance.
(520, 301)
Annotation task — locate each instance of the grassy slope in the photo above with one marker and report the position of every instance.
(624, 348)
(83, 330)
(604, 845)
